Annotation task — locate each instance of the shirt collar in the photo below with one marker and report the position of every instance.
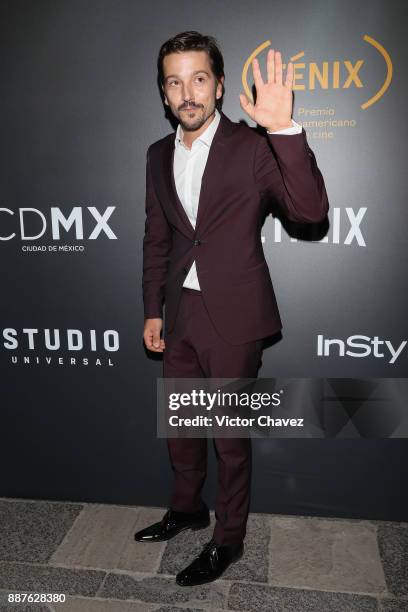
(205, 137)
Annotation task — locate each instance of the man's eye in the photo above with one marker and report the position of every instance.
(201, 78)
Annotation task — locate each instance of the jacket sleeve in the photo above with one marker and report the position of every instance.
(288, 173)
(156, 248)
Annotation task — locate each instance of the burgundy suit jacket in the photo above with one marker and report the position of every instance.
(245, 172)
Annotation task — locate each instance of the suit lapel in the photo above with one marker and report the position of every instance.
(168, 173)
(212, 176)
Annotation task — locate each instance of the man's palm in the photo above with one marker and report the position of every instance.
(273, 108)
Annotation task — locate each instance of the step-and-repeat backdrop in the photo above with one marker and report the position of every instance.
(80, 105)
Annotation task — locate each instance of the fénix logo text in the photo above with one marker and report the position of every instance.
(345, 228)
(33, 346)
(15, 224)
(335, 74)
(359, 346)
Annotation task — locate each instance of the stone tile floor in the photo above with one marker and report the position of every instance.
(87, 552)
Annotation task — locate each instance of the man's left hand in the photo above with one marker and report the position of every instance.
(273, 108)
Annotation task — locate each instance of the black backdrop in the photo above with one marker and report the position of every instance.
(79, 107)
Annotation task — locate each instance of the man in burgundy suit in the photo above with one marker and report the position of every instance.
(208, 189)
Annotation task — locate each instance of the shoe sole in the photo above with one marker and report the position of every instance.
(196, 527)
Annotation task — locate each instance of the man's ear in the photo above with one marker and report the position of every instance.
(220, 82)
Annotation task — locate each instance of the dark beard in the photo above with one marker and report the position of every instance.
(192, 127)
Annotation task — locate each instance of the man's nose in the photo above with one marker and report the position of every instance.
(187, 94)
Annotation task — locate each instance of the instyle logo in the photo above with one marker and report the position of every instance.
(30, 345)
(333, 73)
(31, 224)
(359, 346)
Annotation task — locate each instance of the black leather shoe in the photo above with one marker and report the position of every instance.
(210, 564)
(172, 523)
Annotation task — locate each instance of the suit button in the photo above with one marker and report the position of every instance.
(185, 270)
(197, 242)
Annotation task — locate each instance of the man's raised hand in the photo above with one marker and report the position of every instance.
(273, 108)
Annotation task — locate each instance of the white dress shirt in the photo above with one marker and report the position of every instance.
(188, 168)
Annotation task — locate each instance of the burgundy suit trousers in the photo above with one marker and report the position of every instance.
(194, 349)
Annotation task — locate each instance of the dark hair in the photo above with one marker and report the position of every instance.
(194, 41)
